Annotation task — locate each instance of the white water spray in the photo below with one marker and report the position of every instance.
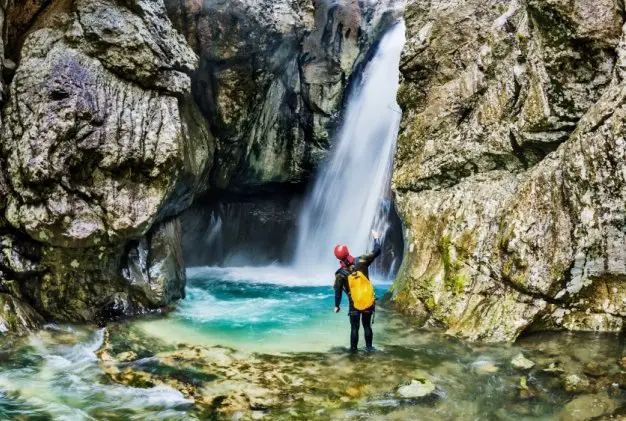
(350, 196)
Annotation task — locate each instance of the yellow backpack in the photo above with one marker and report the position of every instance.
(361, 290)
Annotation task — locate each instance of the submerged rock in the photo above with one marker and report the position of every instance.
(588, 407)
(595, 369)
(417, 389)
(521, 362)
(485, 367)
(576, 384)
(554, 368)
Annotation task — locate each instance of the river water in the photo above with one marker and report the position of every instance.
(268, 324)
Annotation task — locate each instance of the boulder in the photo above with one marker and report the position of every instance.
(16, 317)
(588, 407)
(101, 143)
(485, 367)
(576, 384)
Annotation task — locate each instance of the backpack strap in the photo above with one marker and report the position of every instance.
(343, 272)
(356, 264)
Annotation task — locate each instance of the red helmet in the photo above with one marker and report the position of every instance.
(341, 252)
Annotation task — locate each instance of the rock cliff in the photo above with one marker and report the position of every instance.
(510, 178)
(101, 146)
(118, 114)
(510, 174)
(272, 77)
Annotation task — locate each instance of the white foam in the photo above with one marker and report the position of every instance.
(271, 275)
(67, 387)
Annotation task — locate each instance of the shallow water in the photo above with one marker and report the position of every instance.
(56, 374)
(256, 310)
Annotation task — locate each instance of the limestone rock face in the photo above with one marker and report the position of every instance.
(272, 76)
(155, 265)
(17, 317)
(510, 174)
(101, 144)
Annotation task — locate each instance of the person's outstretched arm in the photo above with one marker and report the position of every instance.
(368, 259)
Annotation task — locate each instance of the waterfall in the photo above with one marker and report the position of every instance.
(351, 194)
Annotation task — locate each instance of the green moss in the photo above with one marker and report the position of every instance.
(507, 267)
(467, 243)
(454, 281)
(519, 279)
(505, 239)
(430, 303)
(444, 248)
(458, 283)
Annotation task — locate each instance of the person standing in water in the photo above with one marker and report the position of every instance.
(353, 279)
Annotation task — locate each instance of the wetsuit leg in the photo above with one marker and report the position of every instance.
(367, 326)
(355, 321)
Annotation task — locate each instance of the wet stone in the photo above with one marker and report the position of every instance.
(126, 356)
(588, 407)
(525, 390)
(595, 369)
(417, 389)
(554, 368)
(485, 367)
(620, 380)
(576, 384)
(437, 380)
(522, 363)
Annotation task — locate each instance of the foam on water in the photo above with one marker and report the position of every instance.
(273, 275)
(66, 383)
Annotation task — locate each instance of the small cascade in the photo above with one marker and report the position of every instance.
(351, 195)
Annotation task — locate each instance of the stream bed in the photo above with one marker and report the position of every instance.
(261, 344)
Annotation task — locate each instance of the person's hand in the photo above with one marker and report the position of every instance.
(337, 309)
(376, 235)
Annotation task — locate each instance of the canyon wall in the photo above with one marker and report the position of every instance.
(510, 174)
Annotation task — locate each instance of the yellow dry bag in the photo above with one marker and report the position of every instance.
(361, 291)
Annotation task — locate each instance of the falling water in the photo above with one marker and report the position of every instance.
(351, 194)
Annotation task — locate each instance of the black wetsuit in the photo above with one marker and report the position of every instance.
(357, 317)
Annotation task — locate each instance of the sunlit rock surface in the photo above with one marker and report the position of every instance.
(510, 174)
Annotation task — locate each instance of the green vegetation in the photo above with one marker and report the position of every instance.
(453, 279)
